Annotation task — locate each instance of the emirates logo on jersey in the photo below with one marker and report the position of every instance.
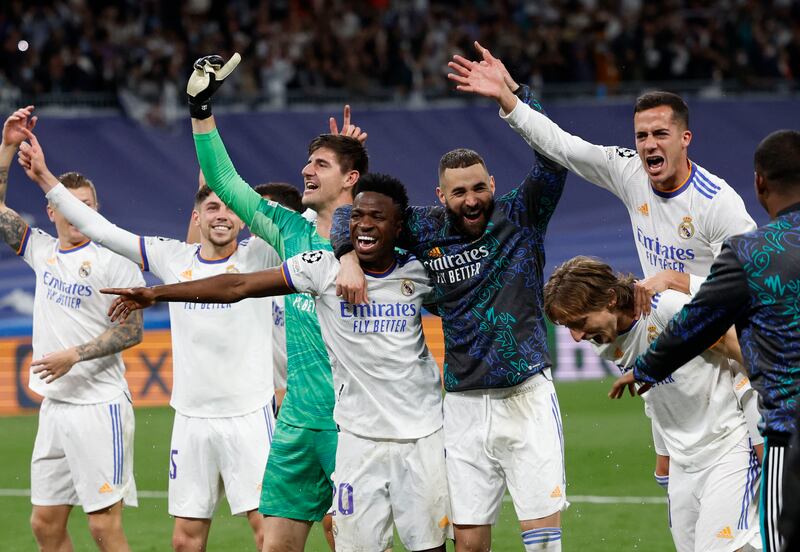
(686, 228)
(85, 270)
(407, 287)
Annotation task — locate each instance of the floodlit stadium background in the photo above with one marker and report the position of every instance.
(107, 78)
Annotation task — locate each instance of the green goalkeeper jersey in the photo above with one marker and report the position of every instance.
(309, 388)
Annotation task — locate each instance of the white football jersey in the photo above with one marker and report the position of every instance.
(695, 410)
(681, 230)
(386, 382)
(221, 353)
(69, 310)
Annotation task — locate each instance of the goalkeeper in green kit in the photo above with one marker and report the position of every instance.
(297, 488)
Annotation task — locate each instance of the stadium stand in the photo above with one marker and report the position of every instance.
(135, 53)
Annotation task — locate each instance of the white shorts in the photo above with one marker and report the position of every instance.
(212, 455)
(83, 455)
(715, 509)
(498, 438)
(381, 481)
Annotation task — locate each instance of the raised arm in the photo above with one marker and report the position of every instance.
(488, 78)
(12, 226)
(91, 223)
(115, 339)
(225, 288)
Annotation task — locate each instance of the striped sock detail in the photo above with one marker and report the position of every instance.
(543, 538)
(662, 480)
(771, 496)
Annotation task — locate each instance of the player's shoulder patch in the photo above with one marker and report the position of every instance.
(162, 239)
(311, 257)
(624, 153)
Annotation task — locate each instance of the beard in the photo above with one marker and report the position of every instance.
(471, 231)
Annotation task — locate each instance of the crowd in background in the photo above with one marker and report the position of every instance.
(311, 48)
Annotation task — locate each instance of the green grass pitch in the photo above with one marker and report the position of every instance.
(608, 451)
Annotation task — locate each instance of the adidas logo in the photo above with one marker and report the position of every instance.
(644, 209)
(725, 533)
(106, 488)
(187, 274)
(444, 522)
(556, 492)
(618, 353)
(742, 383)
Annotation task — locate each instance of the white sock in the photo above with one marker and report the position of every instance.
(542, 539)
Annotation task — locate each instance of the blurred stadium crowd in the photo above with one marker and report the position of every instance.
(317, 50)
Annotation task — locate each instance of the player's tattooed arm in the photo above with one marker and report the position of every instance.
(115, 339)
(12, 227)
(3, 184)
(15, 130)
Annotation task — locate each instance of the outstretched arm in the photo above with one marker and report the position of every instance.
(12, 226)
(594, 163)
(115, 339)
(225, 288)
(87, 220)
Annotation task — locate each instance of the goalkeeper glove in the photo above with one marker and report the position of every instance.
(208, 74)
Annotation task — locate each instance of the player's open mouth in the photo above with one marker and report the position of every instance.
(473, 217)
(366, 243)
(311, 186)
(220, 228)
(654, 162)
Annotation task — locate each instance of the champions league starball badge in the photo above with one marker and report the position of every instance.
(311, 256)
(407, 287)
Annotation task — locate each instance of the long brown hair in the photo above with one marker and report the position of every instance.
(584, 284)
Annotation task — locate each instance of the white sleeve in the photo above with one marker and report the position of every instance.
(607, 167)
(695, 282)
(36, 245)
(157, 252)
(667, 305)
(93, 225)
(265, 255)
(310, 272)
(125, 274)
(729, 217)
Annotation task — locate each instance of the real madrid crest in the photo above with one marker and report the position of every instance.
(652, 333)
(85, 269)
(686, 228)
(407, 287)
